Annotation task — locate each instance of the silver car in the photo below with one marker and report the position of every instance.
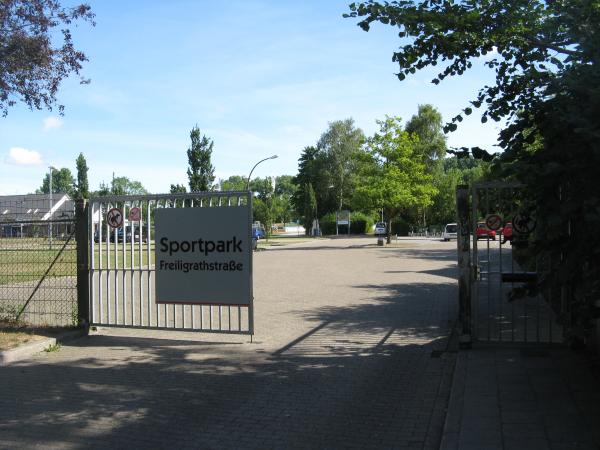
(380, 229)
(450, 231)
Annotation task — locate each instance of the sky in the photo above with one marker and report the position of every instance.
(257, 77)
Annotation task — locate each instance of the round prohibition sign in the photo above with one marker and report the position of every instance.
(523, 223)
(114, 218)
(493, 222)
(135, 214)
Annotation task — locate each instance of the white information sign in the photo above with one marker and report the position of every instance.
(203, 255)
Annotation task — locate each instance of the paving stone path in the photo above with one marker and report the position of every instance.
(349, 352)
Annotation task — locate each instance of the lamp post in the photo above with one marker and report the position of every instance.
(262, 160)
(50, 168)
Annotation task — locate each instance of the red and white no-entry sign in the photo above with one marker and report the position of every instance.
(493, 222)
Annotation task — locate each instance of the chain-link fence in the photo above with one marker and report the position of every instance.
(38, 260)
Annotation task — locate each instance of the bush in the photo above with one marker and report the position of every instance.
(327, 224)
(359, 224)
(400, 227)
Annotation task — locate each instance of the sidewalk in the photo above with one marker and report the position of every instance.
(523, 397)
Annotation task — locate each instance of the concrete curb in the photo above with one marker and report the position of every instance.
(25, 351)
(452, 424)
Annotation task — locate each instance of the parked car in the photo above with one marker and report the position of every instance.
(483, 232)
(380, 229)
(507, 233)
(450, 231)
(136, 234)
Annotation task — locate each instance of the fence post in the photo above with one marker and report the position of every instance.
(83, 283)
(463, 243)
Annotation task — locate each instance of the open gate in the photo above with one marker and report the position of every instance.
(501, 269)
(122, 269)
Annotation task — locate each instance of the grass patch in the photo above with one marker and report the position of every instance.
(14, 334)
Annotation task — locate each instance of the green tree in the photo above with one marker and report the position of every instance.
(340, 144)
(427, 124)
(431, 148)
(125, 186)
(545, 58)
(103, 190)
(310, 208)
(233, 183)
(32, 62)
(178, 189)
(201, 171)
(527, 44)
(62, 182)
(395, 178)
(83, 186)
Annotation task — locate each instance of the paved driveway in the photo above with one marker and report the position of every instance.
(348, 353)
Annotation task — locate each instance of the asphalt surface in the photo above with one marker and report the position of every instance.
(351, 351)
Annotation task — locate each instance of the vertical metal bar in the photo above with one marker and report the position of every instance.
(124, 246)
(108, 268)
(115, 272)
(92, 274)
(132, 268)
(475, 274)
(500, 296)
(100, 265)
(149, 256)
(141, 265)
(251, 305)
(512, 269)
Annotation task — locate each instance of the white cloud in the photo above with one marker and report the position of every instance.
(23, 157)
(51, 123)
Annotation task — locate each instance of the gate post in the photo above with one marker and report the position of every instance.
(464, 265)
(83, 282)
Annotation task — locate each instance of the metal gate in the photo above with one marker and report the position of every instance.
(504, 307)
(122, 271)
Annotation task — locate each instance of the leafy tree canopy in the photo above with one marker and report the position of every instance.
(395, 180)
(125, 186)
(37, 51)
(62, 181)
(201, 171)
(177, 189)
(527, 43)
(83, 187)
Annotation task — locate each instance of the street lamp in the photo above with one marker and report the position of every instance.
(248, 183)
(51, 168)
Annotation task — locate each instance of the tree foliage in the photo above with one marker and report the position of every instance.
(37, 51)
(545, 58)
(200, 171)
(310, 207)
(339, 144)
(125, 186)
(82, 189)
(395, 178)
(528, 44)
(62, 182)
(234, 183)
(177, 189)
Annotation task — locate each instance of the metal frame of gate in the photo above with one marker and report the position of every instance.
(495, 273)
(122, 272)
